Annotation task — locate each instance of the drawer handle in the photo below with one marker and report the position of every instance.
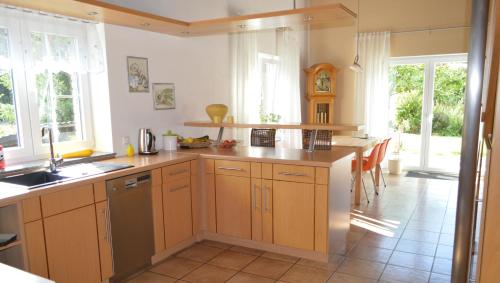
(178, 172)
(230, 168)
(266, 199)
(254, 199)
(178, 189)
(293, 174)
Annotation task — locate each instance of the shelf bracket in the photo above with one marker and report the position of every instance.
(219, 136)
(312, 140)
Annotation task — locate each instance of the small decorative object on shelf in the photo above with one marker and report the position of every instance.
(323, 139)
(216, 112)
(321, 83)
(263, 137)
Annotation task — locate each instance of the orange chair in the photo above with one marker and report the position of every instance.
(368, 164)
(381, 156)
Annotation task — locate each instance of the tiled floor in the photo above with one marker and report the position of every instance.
(404, 235)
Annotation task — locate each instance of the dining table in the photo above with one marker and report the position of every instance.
(358, 145)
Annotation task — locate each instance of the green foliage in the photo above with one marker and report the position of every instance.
(7, 114)
(62, 83)
(6, 88)
(449, 88)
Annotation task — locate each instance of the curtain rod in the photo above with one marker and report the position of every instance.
(430, 29)
(41, 13)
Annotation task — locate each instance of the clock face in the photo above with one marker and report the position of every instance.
(322, 82)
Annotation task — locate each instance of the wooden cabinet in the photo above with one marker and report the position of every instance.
(35, 248)
(233, 206)
(256, 209)
(72, 246)
(104, 237)
(177, 211)
(293, 214)
(157, 205)
(195, 195)
(267, 211)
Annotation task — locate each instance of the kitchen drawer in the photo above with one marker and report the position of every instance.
(232, 168)
(177, 171)
(100, 191)
(67, 199)
(293, 173)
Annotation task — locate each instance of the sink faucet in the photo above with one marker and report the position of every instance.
(54, 162)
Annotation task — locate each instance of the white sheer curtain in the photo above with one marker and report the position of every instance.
(372, 85)
(245, 81)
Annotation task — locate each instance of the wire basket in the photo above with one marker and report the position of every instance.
(323, 139)
(263, 137)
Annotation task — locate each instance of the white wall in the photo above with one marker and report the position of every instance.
(199, 67)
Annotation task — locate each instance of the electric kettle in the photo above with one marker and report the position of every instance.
(147, 142)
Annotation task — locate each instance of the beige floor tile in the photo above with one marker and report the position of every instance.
(306, 274)
(232, 260)
(439, 278)
(246, 250)
(416, 247)
(215, 244)
(447, 239)
(200, 253)
(269, 268)
(442, 266)
(280, 257)
(209, 274)
(370, 253)
(347, 278)
(149, 277)
(420, 235)
(444, 252)
(243, 277)
(175, 267)
(415, 261)
(334, 261)
(398, 274)
(378, 241)
(362, 268)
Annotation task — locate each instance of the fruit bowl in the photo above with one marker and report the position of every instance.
(227, 144)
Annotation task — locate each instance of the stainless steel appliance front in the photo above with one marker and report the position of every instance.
(131, 224)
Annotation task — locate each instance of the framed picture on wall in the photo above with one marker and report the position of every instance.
(138, 77)
(164, 96)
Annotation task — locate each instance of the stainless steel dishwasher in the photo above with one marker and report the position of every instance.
(131, 224)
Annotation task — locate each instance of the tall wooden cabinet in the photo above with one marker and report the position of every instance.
(321, 85)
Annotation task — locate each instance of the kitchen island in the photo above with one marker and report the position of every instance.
(288, 201)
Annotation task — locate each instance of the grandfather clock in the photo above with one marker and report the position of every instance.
(321, 84)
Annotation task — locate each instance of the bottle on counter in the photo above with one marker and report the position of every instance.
(130, 150)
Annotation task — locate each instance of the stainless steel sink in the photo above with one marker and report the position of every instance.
(38, 179)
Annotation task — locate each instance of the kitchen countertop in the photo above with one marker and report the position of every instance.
(11, 274)
(10, 193)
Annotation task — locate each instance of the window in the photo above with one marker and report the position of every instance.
(268, 65)
(43, 83)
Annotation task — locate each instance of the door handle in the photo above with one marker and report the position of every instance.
(293, 174)
(253, 197)
(230, 168)
(266, 198)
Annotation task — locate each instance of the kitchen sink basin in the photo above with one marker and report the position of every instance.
(44, 178)
(35, 179)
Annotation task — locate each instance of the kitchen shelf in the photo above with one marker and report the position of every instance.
(321, 16)
(297, 126)
(13, 244)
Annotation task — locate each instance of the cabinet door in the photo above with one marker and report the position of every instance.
(158, 225)
(293, 214)
(35, 248)
(104, 234)
(72, 246)
(267, 211)
(233, 206)
(256, 209)
(209, 186)
(195, 195)
(177, 211)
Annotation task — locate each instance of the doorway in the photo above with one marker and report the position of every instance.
(426, 109)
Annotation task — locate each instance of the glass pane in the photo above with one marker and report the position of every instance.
(447, 116)
(4, 43)
(62, 48)
(8, 120)
(37, 47)
(407, 89)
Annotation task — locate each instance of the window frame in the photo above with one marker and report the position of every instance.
(26, 96)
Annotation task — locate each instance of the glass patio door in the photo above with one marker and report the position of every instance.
(427, 99)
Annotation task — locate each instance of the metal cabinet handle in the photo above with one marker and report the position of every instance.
(293, 174)
(178, 172)
(230, 168)
(178, 189)
(266, 191)
(254, 206)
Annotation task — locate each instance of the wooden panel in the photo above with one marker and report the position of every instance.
(195, 195)
(211, 203)
(321, 218)
(35, 248)
(293, 214)
(267, 211)
(31, 209)
(72, 246)
(156, 177)
(232, 168)
(322, 174)
(105, 246)
(158, 224)
(209, 166)
(177, 211)
(267, 170)
(294, 173)
(175, 172)
(100, 191)
(256, 209)
(233, 206)
(62, 201)
(255, 170)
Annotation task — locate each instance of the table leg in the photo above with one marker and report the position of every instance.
(357, 181)
(377, 175)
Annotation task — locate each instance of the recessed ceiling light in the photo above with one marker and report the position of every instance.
(308, 18)
(93, 13)
(242, 26)
(185, 32)
(145, 25)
